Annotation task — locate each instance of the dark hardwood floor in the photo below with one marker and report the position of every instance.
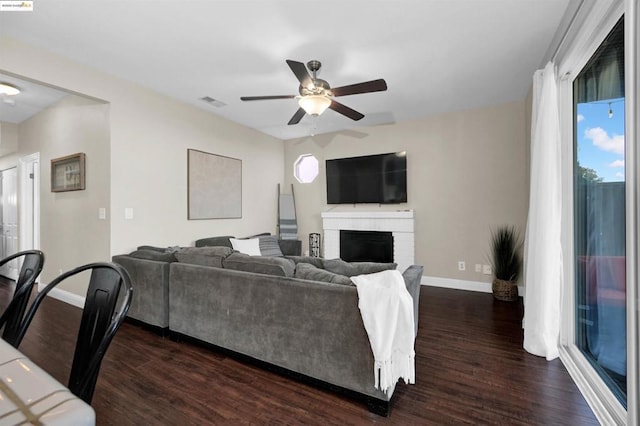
(470, 369)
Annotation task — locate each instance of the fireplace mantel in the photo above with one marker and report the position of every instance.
(400, 223)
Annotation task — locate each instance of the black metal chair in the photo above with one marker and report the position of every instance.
(11, 319)
(101, 318)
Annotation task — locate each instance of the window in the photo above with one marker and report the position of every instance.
(305, 168)
(599, 213)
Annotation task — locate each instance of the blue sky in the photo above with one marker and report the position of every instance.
(600, 139)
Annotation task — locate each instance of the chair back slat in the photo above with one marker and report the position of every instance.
(11, 319)
(100, 304)
(106, 305)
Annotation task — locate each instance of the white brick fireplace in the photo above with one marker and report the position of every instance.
(399, 223)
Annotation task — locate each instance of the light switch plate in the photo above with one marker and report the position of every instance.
(128, 213)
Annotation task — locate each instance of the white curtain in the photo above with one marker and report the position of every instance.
(543, 252)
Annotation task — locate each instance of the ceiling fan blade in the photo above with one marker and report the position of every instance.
(264, 98)
(353, 89)
(297, 117)
(300, 70)
(346, 111)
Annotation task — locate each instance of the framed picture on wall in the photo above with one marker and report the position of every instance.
(215, 186)
(68, 173)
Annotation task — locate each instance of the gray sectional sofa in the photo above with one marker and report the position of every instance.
(297, 314)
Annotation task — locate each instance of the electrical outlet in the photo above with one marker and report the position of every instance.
(478, 267)
(486, 269)
(461, 265)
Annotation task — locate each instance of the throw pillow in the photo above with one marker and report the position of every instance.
(269, 246)
(250, 246)
(214, 241)
(307, 271)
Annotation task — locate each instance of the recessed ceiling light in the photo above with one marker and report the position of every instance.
(8, 89)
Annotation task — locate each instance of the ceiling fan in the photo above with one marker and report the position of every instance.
(315, 93)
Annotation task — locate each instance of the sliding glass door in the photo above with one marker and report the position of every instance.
(599, 213)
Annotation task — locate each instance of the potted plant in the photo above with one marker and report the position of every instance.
(506, 260)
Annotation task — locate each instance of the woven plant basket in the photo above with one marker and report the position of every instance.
(505, 290)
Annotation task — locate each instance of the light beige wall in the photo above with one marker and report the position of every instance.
(467, 173)
(149, 138)
(151, 172)
(8, 138)
(70, 232)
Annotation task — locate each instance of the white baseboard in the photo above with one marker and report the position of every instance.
(64, 296)
(457, 284)
(462, 284)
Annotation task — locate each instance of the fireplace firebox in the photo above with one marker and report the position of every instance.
(366, 246)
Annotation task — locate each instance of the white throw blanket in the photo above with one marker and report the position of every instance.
(387, 313)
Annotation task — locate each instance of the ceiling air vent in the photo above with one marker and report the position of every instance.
(213, 102)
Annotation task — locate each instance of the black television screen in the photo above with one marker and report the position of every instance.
(380, 178)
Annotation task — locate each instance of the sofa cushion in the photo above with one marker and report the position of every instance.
(171, 249)
(278, 266)
(249, 246)
(339, 266)
(159, 256)
(269, 246)
(315, 261)
(350, 269)
(307, 271)
(215, 241)
(365, 268)
(206, 256)
(153, 248)
(290, 247)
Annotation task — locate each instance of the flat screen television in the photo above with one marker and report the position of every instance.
(380, 178)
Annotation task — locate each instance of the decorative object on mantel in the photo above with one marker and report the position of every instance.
(68, 173)
(314, 244)
(214, 186)
(506, 261)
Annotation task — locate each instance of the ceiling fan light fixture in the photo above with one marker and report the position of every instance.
(8, 89)
(314, 104)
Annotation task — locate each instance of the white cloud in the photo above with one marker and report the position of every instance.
(617, 164)
(620, 175)
(602, 140)
(580, 117)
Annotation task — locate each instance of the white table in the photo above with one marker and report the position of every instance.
(29, 395)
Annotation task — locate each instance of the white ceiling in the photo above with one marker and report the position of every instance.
(435, 55)
(32, 99)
